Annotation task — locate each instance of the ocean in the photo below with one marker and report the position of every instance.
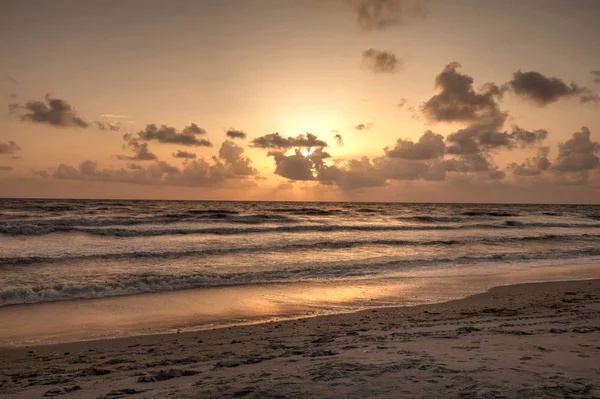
(60, 250)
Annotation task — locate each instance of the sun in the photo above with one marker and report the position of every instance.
(307, 151)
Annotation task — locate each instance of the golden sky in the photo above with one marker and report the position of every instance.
(370, 100)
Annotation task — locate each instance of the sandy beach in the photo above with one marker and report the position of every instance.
(518, 341)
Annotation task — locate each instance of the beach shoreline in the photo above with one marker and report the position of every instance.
(222, 307)
(518, 340)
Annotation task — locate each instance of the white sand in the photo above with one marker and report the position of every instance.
(521, 341)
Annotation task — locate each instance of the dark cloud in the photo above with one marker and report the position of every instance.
(533, 166)
(429, 146)
(236, 134)
(589, 98)
(229, 165)
(339, 140)
(184, 154)
(595, 76)
(477, 138)
(9, 148)
(544, 90)
(233, 160)
(578, 154)
(169, 135)
(402, 102)
(106, 126)
(401, 169)
(470, 163)
(276, 141)
(13, 96)
(480, 164)
(381, 14)
(459, 102)
(140, 150)
(524, 137)
(354, 174)
(5, 168)
(293, 167)
(381, 61)
(364, 173)
(52, 111)
(362, 126)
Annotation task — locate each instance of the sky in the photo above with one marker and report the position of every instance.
(302, 100)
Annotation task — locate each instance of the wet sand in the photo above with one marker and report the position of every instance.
(518, 341)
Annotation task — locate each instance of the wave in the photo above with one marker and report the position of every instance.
(148, 282)
(288, 248)
(288, 227)
(431, 219)
(211, 211)
(369, 210)
(489, 213)
(46, 226)
(309, 211)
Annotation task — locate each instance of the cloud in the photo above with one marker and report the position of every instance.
(276, 141)
(230, 165)
(236, 134)
(477, 138)
(339, 140)
(5, 168)
(578, 154)
(596, 76)
(9, 148)
(544, 90)
(429, 146)
(354, 174)
(402, 102)
(169, 135)
(184, 155)
(52, 111)
(533, 166)
(12, 80)
(234, 161)
(141, 152)
(381, 61)
(293, 167)
(459, 102)
(401, 169)
(474, 163)
(362, 126)
(106, 126)
(365, 173)
(381, 14)
(589, 98)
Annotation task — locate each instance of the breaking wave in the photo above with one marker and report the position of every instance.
(148, 282)
(288, 227)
